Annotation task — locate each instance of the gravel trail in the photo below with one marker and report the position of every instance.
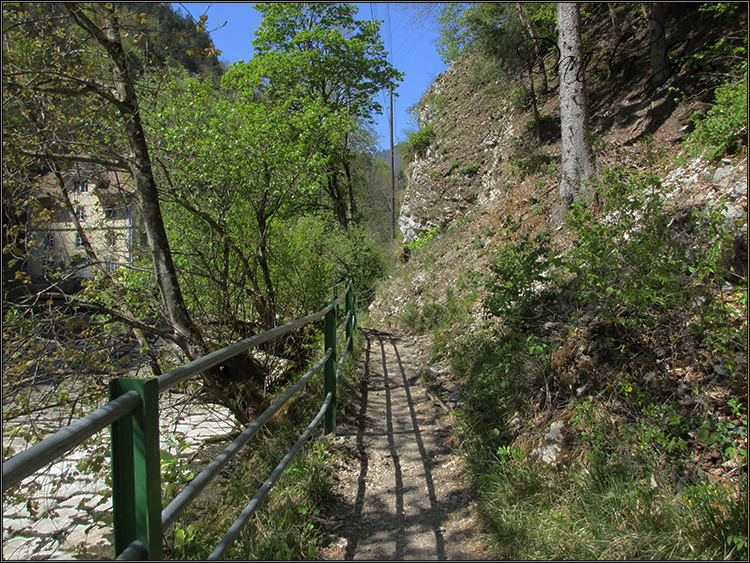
(401, 488)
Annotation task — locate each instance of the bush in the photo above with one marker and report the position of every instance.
(724, 126)
(419, 141)
(521, 272)
(423, 239)
(626, 486)
(521, 99)
(637, 268)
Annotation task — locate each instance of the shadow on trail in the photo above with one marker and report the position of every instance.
(405, 441)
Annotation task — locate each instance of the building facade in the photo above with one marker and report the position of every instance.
(106, 209)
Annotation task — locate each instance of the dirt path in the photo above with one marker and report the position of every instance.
(400, 485)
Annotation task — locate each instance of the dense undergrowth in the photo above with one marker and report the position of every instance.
(624, 329)
(627, 330)
(635, 339)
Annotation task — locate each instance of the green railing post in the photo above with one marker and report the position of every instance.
(350, 309)
(330, 369)
(136, 469)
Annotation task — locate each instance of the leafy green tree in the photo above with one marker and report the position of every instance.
(318, 53)
(238, 164)
(77, 98)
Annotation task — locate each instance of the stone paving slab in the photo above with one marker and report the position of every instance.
(69, 519)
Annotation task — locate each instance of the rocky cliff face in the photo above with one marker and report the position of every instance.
(484, 153)
(462, 166)
(483, 169)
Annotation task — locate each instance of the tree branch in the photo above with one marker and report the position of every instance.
(117, 164)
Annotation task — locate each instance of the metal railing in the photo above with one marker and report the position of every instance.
(133, 414)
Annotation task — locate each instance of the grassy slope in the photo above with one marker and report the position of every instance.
(652, 397)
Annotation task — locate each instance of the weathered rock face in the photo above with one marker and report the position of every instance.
(462, 165)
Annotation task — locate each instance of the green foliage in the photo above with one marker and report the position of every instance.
(614, 506)
(504, 372)
(446, 319)
(635, 265)
(313, 253)
(424, 239)
(521, 99)
(723, 127)
(322, 50)
(419, 141)
(630, 446)
(453, 34)
(521, 273)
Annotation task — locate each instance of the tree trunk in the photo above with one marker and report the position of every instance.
(577, 157)
(334, 192)
(350, 184)
(658, 41)
(238, 383)
(615, 20)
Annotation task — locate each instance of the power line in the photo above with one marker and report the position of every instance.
(410, 48)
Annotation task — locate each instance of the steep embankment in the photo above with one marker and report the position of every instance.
(613, 366)
(483, 167)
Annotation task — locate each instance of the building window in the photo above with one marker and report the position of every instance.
(79, 240)
(111, 240)
(80, 186)
(81, 213)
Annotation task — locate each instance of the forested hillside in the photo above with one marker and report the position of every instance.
(599, 334)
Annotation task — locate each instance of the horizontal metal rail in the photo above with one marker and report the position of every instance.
(133, 402)
(136, 551)
(236, 528)
(37, 456)
(182, 373)
(343, 327)
(186, 496)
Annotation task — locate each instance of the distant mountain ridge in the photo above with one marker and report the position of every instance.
(386, 154)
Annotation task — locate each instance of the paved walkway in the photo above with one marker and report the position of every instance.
(70, 514)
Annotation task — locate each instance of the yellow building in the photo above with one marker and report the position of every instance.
(106, 208)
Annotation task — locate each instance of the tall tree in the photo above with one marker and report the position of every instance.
(658, 42)
(68, 72)
(577, 157)
(320, 53)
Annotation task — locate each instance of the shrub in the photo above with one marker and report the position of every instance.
(531, 161)
(423, 239)
(724, 125)
(419, 141)
(637, 268)
(521, 99)
(521, 273)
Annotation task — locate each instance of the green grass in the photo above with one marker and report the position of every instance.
(608, 509)
(286, 525)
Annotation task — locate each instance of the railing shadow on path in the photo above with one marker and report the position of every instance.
(413, 529)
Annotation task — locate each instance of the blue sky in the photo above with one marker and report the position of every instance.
(411, 48)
